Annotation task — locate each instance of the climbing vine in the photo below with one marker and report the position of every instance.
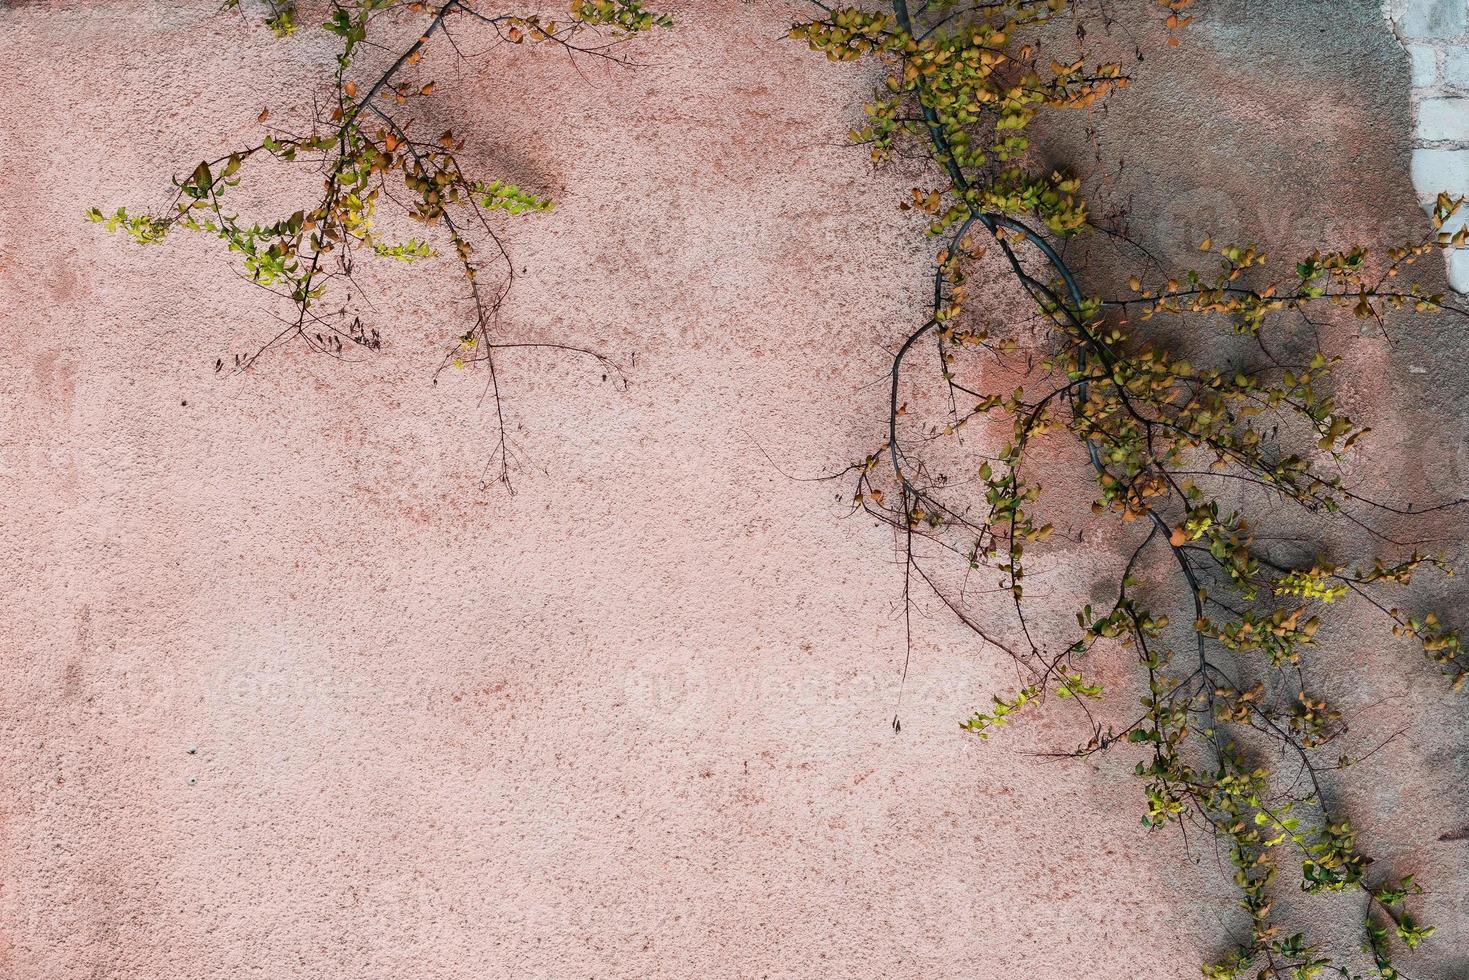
(1162, 440)
(364, 143)
(1235, 734)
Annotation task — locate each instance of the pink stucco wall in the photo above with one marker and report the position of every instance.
(288, 693)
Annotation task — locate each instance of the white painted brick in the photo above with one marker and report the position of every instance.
(1458, 261)
(1440, 171)
(1443, 119)
(1424, 61)
(1456, 66)
(1431, 19)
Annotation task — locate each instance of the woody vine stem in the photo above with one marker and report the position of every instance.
(1164, 441)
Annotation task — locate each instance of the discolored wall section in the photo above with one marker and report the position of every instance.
(1436, 36)
(288, 693)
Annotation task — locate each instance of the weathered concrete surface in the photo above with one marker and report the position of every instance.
(634, 720)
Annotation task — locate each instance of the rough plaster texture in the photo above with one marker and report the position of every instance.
(286, 694)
